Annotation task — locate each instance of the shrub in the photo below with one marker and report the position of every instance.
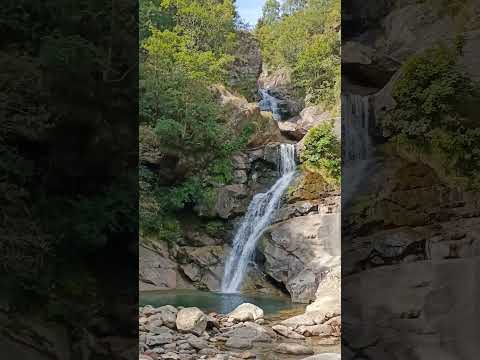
(435, 103)
(321, 152)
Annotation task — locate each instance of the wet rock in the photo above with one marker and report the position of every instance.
(293, 349)
(191, 320)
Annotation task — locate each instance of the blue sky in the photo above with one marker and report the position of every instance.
(250, 10)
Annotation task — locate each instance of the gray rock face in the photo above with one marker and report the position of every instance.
(297, 252)
(231, 201)
(191, 320)
(203, 265)
(157, 271)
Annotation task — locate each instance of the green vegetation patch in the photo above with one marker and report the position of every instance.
(321, 153)
(435, 112)
(304, 37)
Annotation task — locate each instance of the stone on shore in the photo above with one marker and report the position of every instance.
(287, 332)
(293, 349)
(191, 320)
(246, 312)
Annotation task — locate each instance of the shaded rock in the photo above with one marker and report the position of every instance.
(243, 72)
(293, 349)
(168, 314)
(197, 238)
(246, 312)
(291, 130)
(154, 340)
(231, 201)
(203, 265)
(157, 271)
(191, 320)
(303, 286)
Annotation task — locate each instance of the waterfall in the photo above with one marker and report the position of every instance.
(357, 146)
(258, 217)
(270, 103)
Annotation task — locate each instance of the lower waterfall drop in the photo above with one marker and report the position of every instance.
(258, 217)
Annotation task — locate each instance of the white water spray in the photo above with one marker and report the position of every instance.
(258, 217)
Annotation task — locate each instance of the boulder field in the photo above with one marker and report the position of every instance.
(188, 334)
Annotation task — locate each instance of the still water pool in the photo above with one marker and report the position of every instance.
(216, 302)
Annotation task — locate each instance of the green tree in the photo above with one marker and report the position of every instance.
(270, 12)
(291, 6)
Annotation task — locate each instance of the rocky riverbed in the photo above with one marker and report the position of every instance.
(172, 333)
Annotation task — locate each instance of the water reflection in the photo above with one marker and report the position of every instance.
(214, 301)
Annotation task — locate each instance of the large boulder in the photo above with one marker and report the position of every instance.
(246, 312)
(300, 251)
(191, 320)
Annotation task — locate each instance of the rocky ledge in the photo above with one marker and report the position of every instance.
(187, 333)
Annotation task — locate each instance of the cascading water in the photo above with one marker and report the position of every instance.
(358, 149)
(270, 103)
(258, 217)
